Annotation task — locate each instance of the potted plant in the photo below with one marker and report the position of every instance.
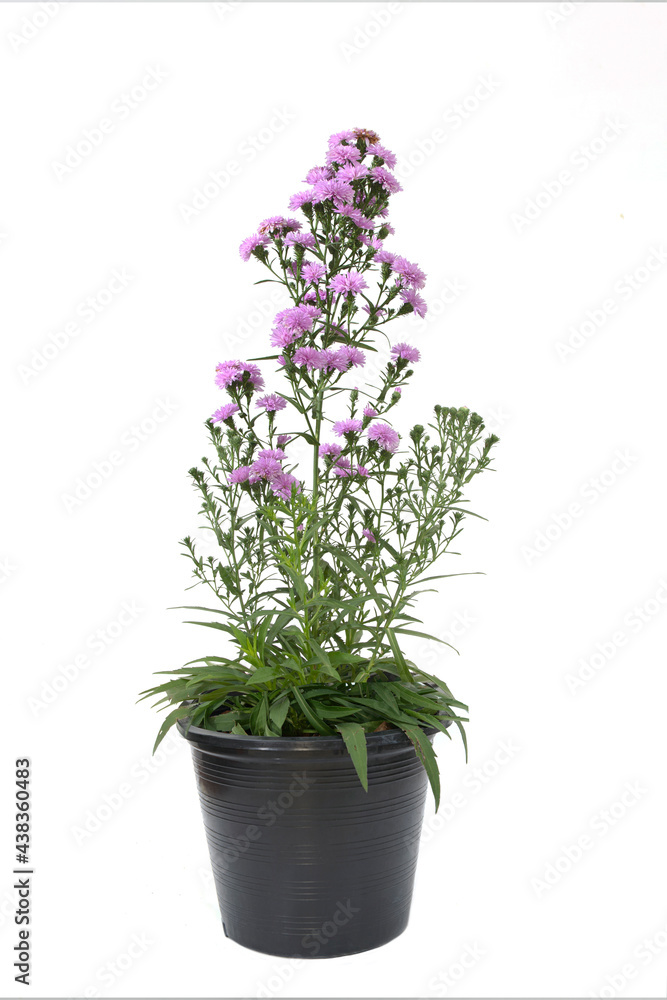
(311, 730)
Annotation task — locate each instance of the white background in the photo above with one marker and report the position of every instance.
(559, 588)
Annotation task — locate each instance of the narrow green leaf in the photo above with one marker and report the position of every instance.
(426, 754)
(355, 741)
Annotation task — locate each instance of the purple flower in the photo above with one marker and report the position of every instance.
(370, 411)
(291, 323)
(348, 282)
(228, 372)
(367, 533)
(352, 172)
(348, 135)
(387, 180)
(385, 154)
(277, 225)
(356, 216)
(386, 436)
(313, 273)
(351, 357)
(224, 413)
(316, 174)
(251, 243)
(331, 450)
(306, 240)
(339, 191)
(362, 471)
(371, 241)
(283, 439)
(300, 199)
(405, 352)
(282, 337)
(347, 426)
(411, 273)
(282, 484)
(385, 257)
(308, 356)
(418, 304)
(331, 361)
(342, 153)
(273, 402)
(298, 318)
(264, 468)
(239, 475)
(276, 453)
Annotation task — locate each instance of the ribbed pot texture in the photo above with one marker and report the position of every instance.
(306, 863)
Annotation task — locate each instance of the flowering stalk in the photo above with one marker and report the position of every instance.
(318, 567)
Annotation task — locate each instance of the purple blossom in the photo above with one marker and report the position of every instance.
(283, 439)
(273, 402)
(301, 198)
(277, 225)
(331, 450)
(316, 174)
(339, 191)
(264, 468)
(352, 172)
(385, 154)
(282, 484)
(387, 180)
(251, 243)
(347, 426)
(306, 240)
(313, 273)
(356, 216)
(351, 356)
(348, 135)
(276, 453)
(298, 318)
(348, 282)
(239, 475)
(385, 257)
(386, 436)
(228, 372)
(362, 471)
(224, 413)
(418, 304)
(411, 273)
(308, 356)
(282, 337)
(370, 411)
(342, 153)
(405, 352)
(371, 241)
(367, 533)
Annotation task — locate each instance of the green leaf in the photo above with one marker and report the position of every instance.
(179, 713)
(225, 722)
(426, 754)
(318, 724)
(278, 711)
(403, 668)
(355, 741)
(239, 730)
(262, 675)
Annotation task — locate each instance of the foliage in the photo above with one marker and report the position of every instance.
(316, 573)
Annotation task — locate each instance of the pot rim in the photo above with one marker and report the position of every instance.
(385, 737)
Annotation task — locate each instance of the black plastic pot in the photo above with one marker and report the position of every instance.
(306, 863)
